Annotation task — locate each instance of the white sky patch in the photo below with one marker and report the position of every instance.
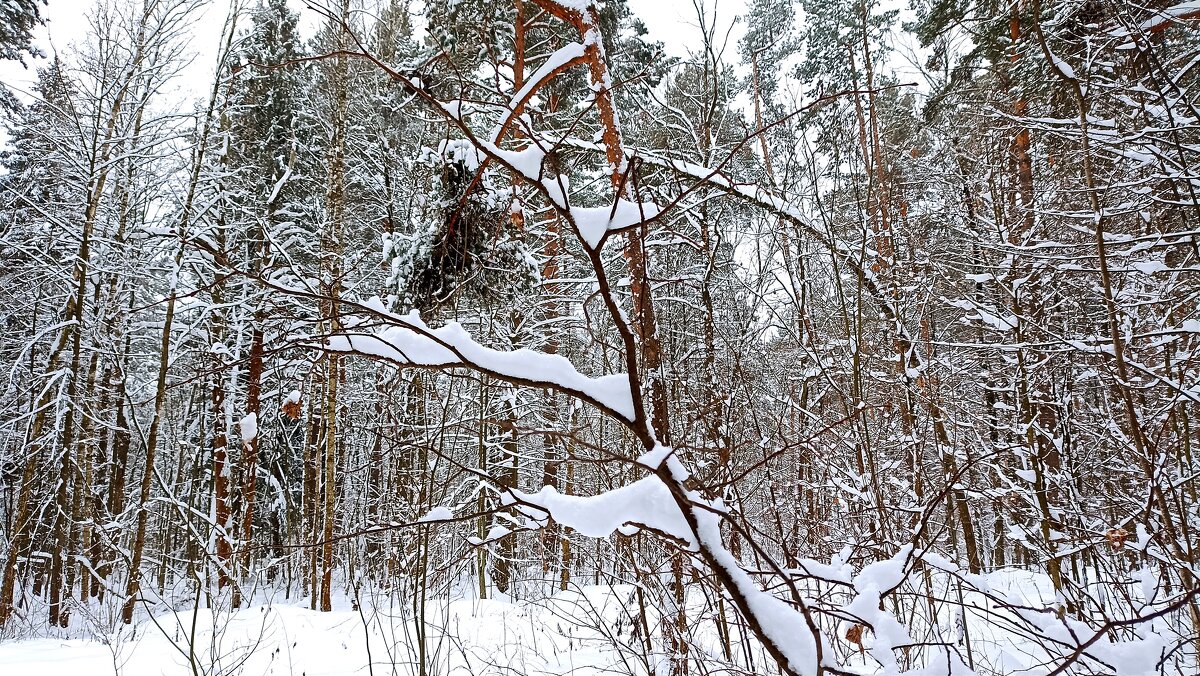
(672, 22)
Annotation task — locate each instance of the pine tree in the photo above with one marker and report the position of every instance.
(273, 189)
(18, 19)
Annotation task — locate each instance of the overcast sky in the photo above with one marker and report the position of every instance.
(672, 22)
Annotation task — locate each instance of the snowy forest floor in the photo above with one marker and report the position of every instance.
(589, 631)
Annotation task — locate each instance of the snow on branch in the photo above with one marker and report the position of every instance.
(1176, 15)
(646, 503)
(559, 61)
(650, 503)
(406, 339)
(594, 224)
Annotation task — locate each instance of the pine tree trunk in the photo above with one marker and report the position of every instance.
(250, 443)
(222, 509)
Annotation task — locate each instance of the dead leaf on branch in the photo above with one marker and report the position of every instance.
(855, 635)
(1116, 537)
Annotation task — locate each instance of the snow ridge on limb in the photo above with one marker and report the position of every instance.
(407, 340)
(645, 503)
(558, 62)
(595, 223)
(1160, 20)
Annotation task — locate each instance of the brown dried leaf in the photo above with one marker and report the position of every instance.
(291, 408)
(855, 635)
(1116, 537)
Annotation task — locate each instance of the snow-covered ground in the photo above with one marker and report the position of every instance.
(591, 631)
(585, 632)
